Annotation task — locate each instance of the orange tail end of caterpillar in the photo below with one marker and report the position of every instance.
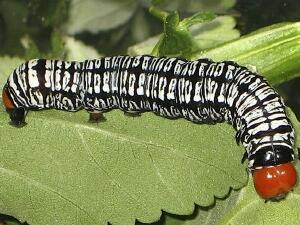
(17, 115)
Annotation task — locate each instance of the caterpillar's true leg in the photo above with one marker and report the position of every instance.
(17, 116)
(96, 117)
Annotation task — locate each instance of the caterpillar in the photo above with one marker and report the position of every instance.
(202, 91)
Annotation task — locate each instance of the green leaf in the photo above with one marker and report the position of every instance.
(206, 35)
(199, 17)
(207, 215)
(220, 30)
(118, 171)
(77, 50)
(252, 211)
(218, 6)
(274, 51)
(94, 15)
(176, 39)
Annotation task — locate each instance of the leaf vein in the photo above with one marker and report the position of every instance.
(113, 181)
(142, 142)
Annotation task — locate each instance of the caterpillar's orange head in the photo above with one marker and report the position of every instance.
(274, 182)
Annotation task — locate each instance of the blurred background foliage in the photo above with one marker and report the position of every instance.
(113, 25)
(37, 28)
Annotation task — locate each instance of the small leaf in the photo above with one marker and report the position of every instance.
(218, 6)
(211, 34)
(199, 17)
(94, 15)
(206, 35)
(176, 40)
(77, 50)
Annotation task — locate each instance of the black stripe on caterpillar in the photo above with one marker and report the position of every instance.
(201, 91)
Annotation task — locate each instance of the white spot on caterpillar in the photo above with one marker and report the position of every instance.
(107, 62)
(66, 80)
(124, 76)
(202, 69)
(193, 68)
(229, 72)
(136, 61)
(188, 90)
(89, 86)
(106, 82)
(154, 85)
(140, 89)
(169, 64)
(75, 82)
(197, 96)
(57, 80)
(97, 83)
(178, 67)
(32, 74)
(160, 64)
(67, 65)
(97, 63)
(149, 78)
(171, 90)
(59, 63)
(145, 63)
(161, 87)
(131, 84)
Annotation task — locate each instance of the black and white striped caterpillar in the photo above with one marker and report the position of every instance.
(201, 91)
